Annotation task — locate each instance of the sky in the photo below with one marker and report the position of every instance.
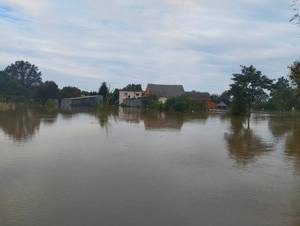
(196, 43)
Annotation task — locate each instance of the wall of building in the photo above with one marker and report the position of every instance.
(123, 95)
(89, 101)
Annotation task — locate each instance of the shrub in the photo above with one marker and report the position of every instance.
(50, 105)
(151, 102)
(183, 104)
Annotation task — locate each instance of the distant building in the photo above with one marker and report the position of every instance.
(124, 95)
(86, 101)
(203, 98)
(222, 106)
(163, 92)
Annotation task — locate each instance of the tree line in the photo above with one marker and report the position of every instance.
(22, 81)
(251, 90)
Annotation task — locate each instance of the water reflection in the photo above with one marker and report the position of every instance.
(242, 143)
(132, 115)
(161, 121)
(280, 125)
(286, 127)
(188, 171)
(153, 120)
(22, 124)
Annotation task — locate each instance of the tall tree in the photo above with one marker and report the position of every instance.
(249, 88)
(282, 95)
(68, 92)
(103, 90)
(10, 89)
(115, 96)
(294, 74)
(28, 74)
(45, 91)
(133, 87)
(224, 97)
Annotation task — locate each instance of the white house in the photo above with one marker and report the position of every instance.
(123, 95)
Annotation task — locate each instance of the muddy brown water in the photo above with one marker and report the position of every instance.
(127, 168)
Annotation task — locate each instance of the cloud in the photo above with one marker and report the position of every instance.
(198, 43)
(27, 6)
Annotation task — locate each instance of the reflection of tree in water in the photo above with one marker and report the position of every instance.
(288, 126)
(159, 120)
(47, 117)
(243, 145)
(292, 145)
(280, 125)
(22, 124)
(156, 120)
(103, 118)
(132, 115)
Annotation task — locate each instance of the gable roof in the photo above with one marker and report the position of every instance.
(222, 104)
(198, 96)
(165, 90)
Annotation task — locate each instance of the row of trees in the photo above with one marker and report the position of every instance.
(22, 81)
(253, 90)
(250, 90)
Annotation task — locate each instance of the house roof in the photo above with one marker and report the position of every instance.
(83, 97)
(198, 95)
(222, 104)
(165, 90)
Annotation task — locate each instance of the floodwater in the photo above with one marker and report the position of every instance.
(127, 168)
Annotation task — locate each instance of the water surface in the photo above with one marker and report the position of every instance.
(137, 169)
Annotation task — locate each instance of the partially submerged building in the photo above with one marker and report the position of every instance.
(85, 101)
(222, 106)
(163, 92)
(203, 98)
(127, 95)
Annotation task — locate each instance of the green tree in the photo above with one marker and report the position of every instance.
(224, 97)
(27, 74)
(248, 89)
(68, 92)
(215, 98)
(46, 90)
(151, 102)
(183, 104)
(133, 87)
(282, 95)
(115, 96)
(10, 89)
(294, 75)
(103, 90)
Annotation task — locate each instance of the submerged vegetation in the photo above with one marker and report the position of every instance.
(7, 107)
(183, 104)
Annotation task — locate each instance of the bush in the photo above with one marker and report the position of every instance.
(183, 104)
(50, 105)
(151, 102)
